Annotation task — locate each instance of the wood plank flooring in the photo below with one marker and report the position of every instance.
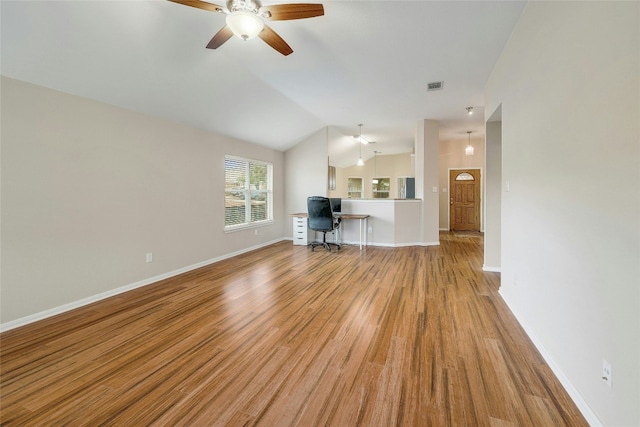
(283, 336)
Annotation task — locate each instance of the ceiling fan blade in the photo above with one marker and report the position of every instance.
(200, 5)
(283, 12)
(221, 36)
(275, 41)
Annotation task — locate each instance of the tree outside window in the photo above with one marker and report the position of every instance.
(248, 192)
(381, 188)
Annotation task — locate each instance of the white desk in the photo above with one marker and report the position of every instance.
(363, 218)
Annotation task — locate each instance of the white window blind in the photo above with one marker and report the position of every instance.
(248, 198)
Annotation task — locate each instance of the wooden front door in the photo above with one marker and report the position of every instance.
(464, 199)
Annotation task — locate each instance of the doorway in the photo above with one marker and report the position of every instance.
(464, 200)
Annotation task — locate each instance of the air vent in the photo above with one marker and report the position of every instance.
(434, 86)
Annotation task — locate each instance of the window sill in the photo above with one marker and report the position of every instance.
(234, 228)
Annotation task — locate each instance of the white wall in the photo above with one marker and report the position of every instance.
(568, 82)
(88, 189)
(427, 147)
(307, 167)
(391, 223)
(493, 194)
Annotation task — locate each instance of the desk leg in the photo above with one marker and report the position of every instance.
(363, 230)
(366, 230)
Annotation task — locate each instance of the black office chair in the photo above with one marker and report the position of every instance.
(321, 219)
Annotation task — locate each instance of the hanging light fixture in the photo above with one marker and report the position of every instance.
(469, 110)
(360, 161)
(375, 167)
(469, 150)
(361, 139)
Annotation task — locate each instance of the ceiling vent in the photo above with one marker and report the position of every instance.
(434, 86)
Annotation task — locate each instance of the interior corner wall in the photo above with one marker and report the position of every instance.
(307, 173)
(88, 189)
(568, 83)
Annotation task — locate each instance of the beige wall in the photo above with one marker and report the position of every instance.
(568, 83)
(88, 189)
(452, 156)
(392, 166)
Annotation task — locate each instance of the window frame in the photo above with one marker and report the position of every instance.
(248, 206)
(375, 193)
(350, 191)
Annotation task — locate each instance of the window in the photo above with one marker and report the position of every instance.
(381, 187)
(248, 192)
(465, 176)
(354, 188)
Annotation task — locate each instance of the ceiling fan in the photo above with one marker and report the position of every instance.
(245, 19)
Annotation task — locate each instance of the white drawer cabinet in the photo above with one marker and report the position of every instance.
(301, 233)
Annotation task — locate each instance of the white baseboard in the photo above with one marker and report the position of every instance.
(582, 405)
(491, 269)
(390, 245)
(94, 298)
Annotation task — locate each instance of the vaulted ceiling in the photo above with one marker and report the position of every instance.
(362, 62)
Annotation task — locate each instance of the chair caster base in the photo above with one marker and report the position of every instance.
(326, 245)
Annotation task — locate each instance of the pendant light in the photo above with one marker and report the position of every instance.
(360, 161)
(469, 150)
(375, 167)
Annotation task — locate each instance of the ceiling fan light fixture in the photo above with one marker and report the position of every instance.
(362, 139)
(244, 24)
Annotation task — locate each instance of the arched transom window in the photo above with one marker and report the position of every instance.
(465, 176)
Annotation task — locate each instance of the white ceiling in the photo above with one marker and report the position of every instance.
(363, 62)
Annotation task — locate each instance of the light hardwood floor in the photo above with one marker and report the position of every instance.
(282, 336)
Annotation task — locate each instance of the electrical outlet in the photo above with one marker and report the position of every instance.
(257, 232)
(149, 257)
(606, 373)
(370, 229)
